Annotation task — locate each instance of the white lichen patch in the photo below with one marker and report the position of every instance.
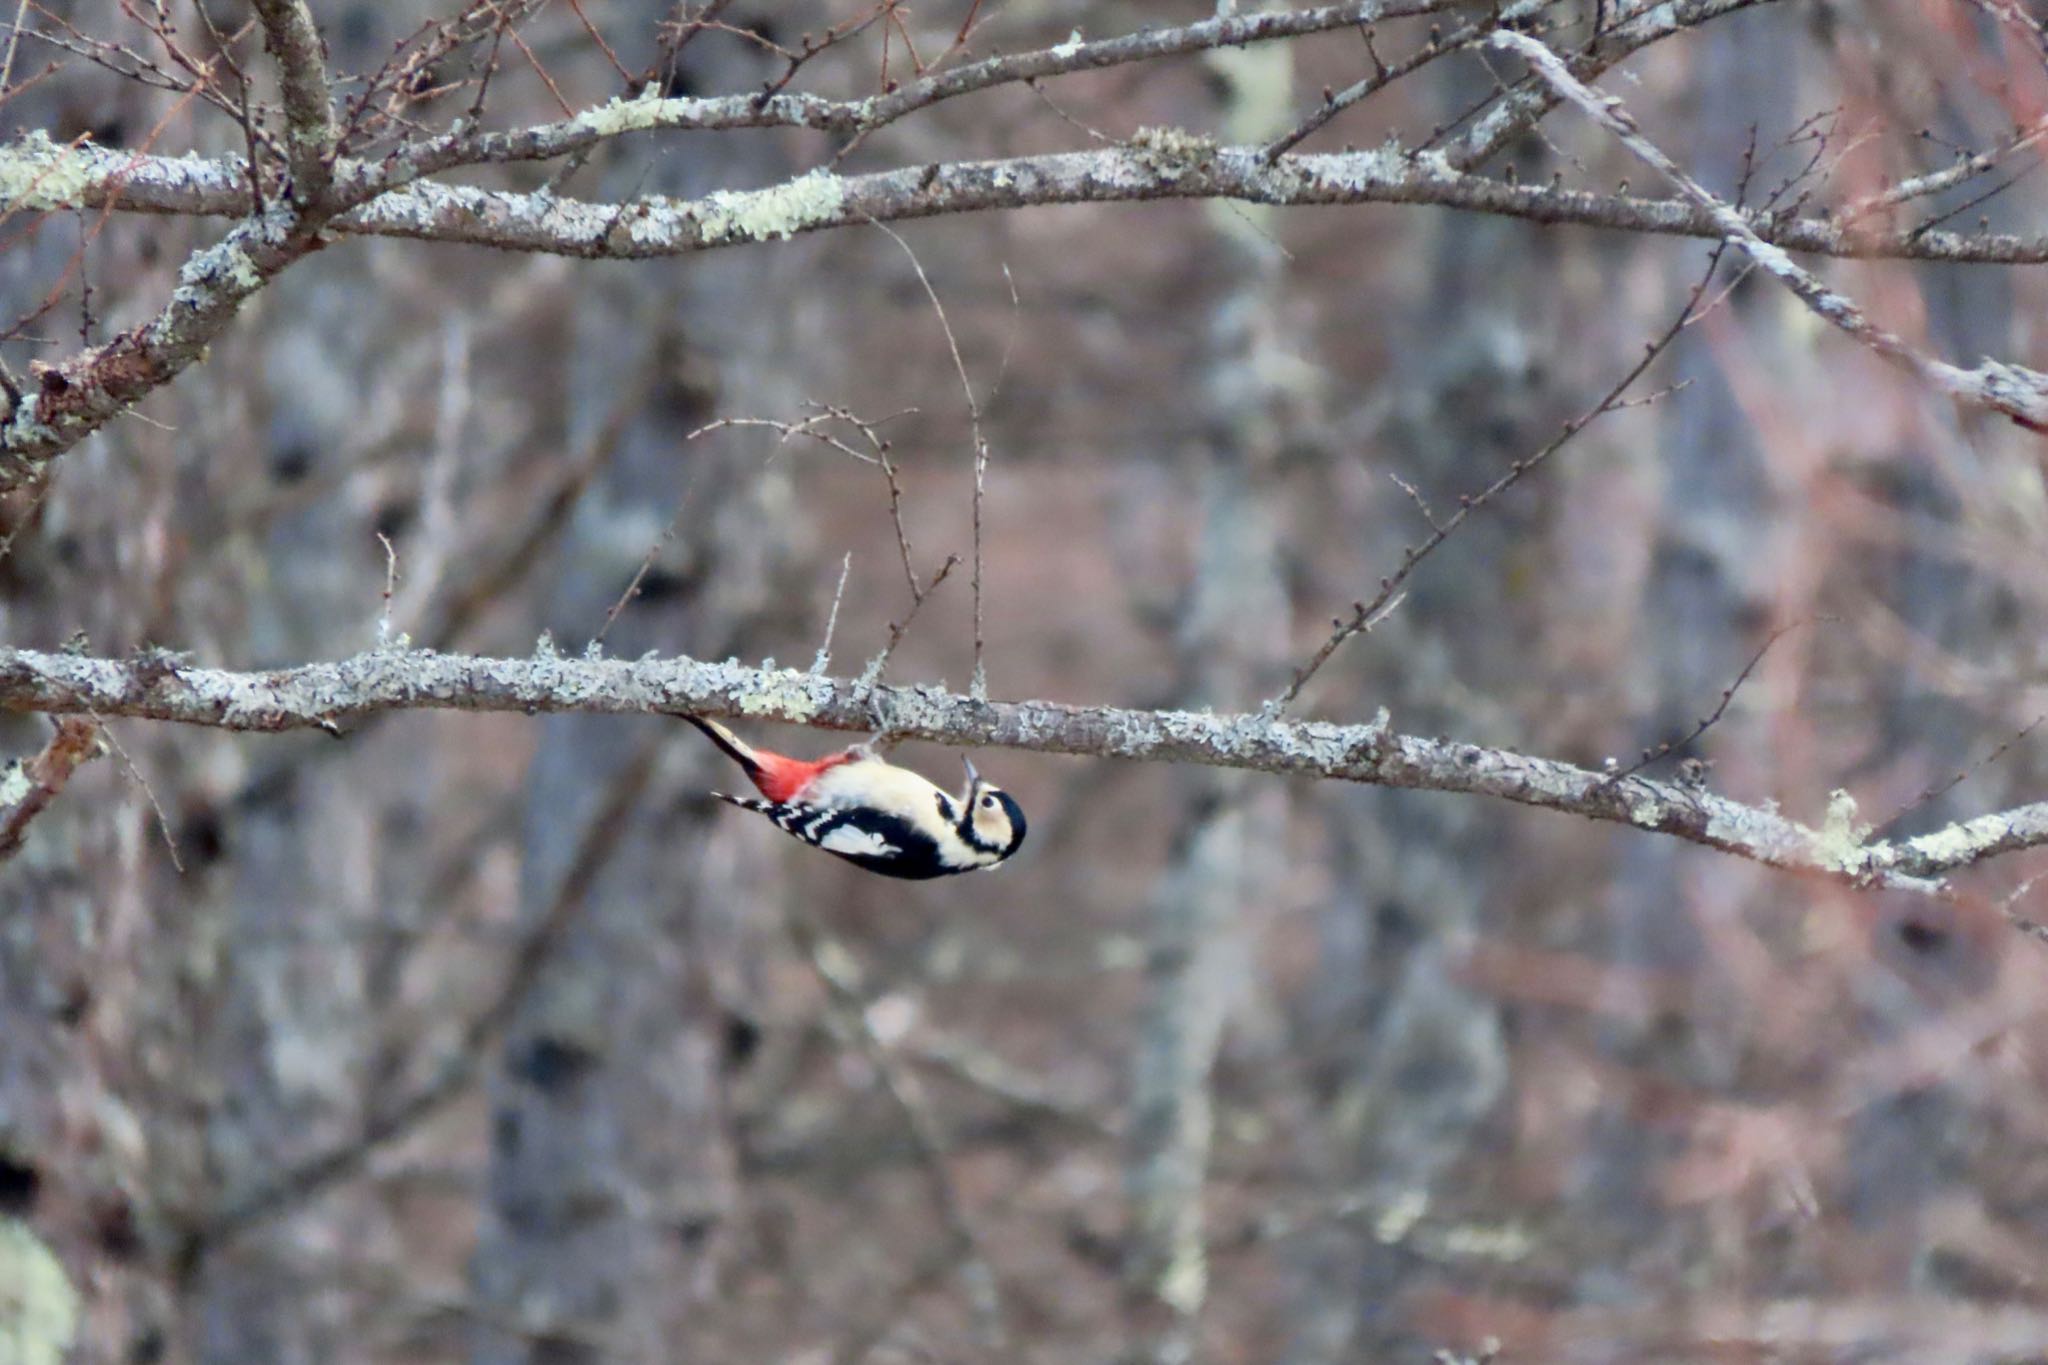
(14, 784)
(624, 116)
(238, 268)
(784, 694)
(1070, 46)
(1950, 847)
(38, 1306)
(1840, 842)
(1357, 172)
(36, 173)
(1435, 165)
(224, 269)
(1400, 1216)
(1480, 1242)
(1170, 152)
(775, 213)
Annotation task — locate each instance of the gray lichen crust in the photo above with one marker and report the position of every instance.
(330, 694)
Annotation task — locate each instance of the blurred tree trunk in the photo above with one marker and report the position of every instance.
(1227, 857)
(1408, 1059)
(611, 1170)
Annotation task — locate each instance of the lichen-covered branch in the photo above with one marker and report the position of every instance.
(2014, 390)
(86, 391)
(291, 38)
(848, 117)
(395, 196)
(28, 787)
(1162, 164)
(1522, 107)
(157, 686)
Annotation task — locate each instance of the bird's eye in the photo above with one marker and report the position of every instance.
(988, 803)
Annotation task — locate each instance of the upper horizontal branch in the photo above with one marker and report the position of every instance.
(789, 109)
(158, 686)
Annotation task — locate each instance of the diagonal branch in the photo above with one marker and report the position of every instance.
(28, 788)
(157, 687)
(91, 388)
(2014, 390)
(290, 37)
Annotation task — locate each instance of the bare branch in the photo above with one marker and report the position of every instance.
(320, 695)
(388, 196)
(85, 392)
(1367, 614)
(823, 658)
(1335, 102)
(1713, 717)
(28, 788)
(656, 226)
(979, 687)
(2014, 390)
(290, 37)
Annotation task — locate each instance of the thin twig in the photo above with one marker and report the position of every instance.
(1336, 102)
(2015, 391)
(1945, 788)
(1713, 718)
(390, 586)
(13, 40)
(823, 661)
(668, 533)
(978, 687)
(877, 666)
(1364, 615)
(163, 822)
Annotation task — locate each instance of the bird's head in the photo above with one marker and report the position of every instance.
(991, 821)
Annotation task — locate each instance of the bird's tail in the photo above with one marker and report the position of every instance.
(731, 745)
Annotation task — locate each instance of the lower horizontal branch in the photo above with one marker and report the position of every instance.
(160, 686)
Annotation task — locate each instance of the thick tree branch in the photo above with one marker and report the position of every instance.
(392, 197)
(2014, 390)
(158, 687)
(86, 391)
(1522, 108)
(28, 788)
(1165, 164)
(291, 38)
(89, 389)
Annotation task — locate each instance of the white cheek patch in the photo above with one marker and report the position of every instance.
(859, 843)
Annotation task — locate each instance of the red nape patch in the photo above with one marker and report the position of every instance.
(782, 778)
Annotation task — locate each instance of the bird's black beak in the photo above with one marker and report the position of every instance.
(972, 776)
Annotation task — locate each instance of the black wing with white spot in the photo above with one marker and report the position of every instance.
(871, 839)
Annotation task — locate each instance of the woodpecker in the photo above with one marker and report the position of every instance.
(874, 814)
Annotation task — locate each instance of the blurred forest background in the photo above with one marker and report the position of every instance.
(488, 1037)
